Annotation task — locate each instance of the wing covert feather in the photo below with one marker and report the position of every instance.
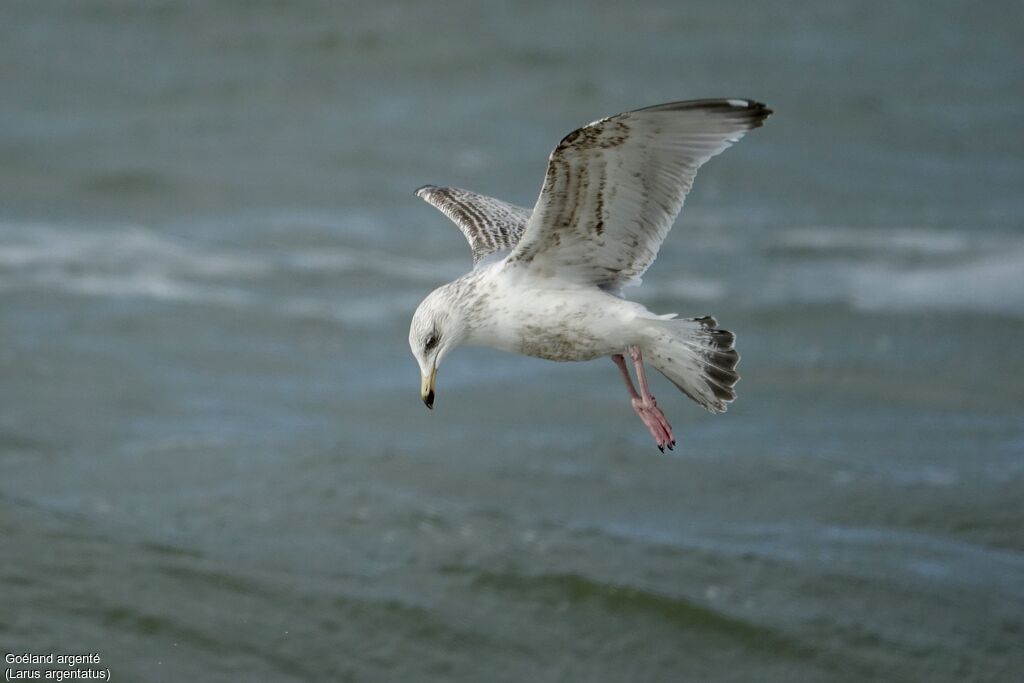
(614, 187)
(490, 225)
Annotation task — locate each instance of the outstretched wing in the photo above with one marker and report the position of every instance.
(614, 187)
(490, 225)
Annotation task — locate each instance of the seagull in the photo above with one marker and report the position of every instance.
(548, 282)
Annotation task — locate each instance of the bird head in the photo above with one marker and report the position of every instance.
(435, 330)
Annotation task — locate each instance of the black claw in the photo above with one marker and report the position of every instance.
(670, 446)
(661, 448)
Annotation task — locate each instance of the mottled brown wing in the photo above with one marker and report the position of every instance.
(491, 226)
(614, 187)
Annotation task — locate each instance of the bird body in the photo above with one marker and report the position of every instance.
(549, 282)
(545, 318)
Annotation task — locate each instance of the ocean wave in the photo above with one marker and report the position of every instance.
(139, 262)
(888, 240)
(992, 282)
(884, 554)
(100, 250)
(134, 248)
(574, 589)
(873, 270)
(989, 282)
(898, 270)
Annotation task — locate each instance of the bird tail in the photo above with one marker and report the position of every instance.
(698, 358)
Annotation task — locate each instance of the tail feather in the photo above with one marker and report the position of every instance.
(698, 358)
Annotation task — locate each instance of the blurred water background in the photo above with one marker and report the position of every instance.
(214, 463)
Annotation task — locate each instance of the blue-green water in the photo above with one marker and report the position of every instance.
(214, 463)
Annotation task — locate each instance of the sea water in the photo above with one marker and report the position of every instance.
(214, 462)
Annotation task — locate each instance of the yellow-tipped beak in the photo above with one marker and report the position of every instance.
(427, 387)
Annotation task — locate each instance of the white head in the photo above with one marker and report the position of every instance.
(437, 328)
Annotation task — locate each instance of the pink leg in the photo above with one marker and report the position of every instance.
(620, 361)
(647, 400)
(643, 403)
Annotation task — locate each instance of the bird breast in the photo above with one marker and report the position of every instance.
(570, 324)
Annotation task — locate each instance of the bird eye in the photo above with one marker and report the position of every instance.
(432, 342)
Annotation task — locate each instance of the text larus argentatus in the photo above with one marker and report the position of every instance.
(548, 282)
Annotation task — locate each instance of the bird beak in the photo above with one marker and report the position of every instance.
(427, 387)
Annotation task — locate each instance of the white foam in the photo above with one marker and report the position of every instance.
(151, 286)
(133, 261)
(991, 282)
(40, 246)
(902, 269)
(920, 240)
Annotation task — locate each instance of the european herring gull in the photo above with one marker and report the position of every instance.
(549, 282)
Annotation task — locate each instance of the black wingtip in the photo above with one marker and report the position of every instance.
(756, 112)
(753, 111)
(759, 112)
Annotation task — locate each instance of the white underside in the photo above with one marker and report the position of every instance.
(554, 319)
